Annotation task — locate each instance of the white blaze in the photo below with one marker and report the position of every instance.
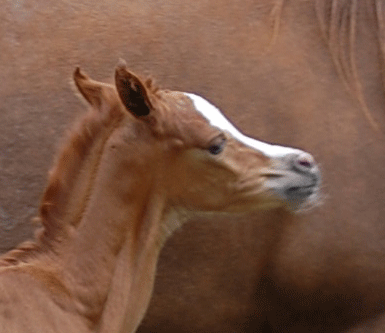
(217, 119)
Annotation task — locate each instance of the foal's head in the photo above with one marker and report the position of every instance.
(182, 148)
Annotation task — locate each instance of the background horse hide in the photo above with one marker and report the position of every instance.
(299, 73)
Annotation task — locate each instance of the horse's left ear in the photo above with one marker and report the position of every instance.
(91, 90)
(132, 92)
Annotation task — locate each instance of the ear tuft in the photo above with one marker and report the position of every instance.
(78, 75)
(91, 90)
(121, 64)
(132, 92)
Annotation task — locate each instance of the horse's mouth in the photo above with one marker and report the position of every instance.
(302, 197)
(296, 184)
(296, 190)
(302, 191)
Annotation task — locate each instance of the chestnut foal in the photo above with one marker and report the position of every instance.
(138, 165)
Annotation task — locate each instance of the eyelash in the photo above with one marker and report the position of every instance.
(217, 147)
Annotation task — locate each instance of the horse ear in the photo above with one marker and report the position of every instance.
(132, 92)
(91, 90)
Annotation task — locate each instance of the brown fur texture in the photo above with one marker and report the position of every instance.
(130, 172)
(271, 66)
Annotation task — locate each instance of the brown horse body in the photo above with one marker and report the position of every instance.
(302, 73)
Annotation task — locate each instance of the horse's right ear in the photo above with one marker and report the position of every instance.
(91, 90)
(132, 92)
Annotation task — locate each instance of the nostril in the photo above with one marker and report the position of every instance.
(305, 161)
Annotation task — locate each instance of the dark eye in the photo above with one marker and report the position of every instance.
(217, 145)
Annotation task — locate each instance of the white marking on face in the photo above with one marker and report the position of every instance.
(217, 119)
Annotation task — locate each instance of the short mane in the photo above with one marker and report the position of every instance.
(84, 145)
(66, 171)
(62, 179)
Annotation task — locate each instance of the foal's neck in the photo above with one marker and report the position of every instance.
(110, 257)
(133, 279)
(112, 224)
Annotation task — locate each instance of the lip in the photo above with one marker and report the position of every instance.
(297, 188)
(299, 197)
(302, 190)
